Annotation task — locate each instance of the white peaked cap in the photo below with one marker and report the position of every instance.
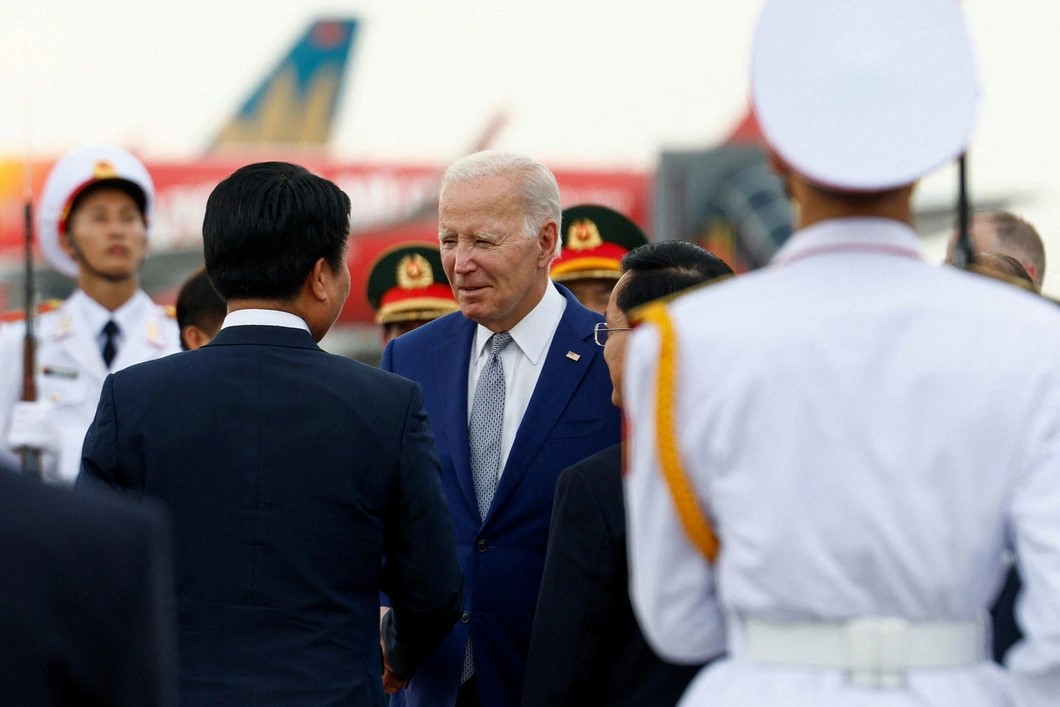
(70, 176)
(864, 95)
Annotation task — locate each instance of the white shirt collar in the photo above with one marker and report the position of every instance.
(534, 331)
(95, 315)
(861, 234)
(264, 317)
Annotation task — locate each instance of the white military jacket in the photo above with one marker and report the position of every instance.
(70, 368)
(867, 432)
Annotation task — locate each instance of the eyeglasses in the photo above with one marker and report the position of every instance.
(601, 332)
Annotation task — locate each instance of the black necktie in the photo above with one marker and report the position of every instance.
(110, 342)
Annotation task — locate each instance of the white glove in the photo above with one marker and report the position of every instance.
(32, 426)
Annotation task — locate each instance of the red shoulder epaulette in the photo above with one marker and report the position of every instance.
(19, 314)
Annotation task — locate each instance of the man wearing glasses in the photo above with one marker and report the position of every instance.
(605, 660)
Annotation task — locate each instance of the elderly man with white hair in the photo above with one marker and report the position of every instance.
(516, 391)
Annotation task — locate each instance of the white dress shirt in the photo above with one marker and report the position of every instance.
(868, 432)
(70, 368)
(522, 359)
(264, 317)
(96, 316)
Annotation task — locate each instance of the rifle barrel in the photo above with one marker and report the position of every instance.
(31, 458)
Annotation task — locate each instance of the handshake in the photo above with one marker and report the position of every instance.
(391, 683)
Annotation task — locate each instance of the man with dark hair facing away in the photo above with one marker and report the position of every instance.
(200, 311)
(586, 648)
(289, 473)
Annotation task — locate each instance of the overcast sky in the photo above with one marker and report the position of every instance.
(586, 82)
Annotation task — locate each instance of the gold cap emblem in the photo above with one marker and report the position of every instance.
(583, 235)
(104, 170)
(414, 272)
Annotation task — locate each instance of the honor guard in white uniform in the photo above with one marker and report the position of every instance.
(829, 457)
(92, 226)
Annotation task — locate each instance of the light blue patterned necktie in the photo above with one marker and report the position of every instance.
(484, 427)
(484, 435)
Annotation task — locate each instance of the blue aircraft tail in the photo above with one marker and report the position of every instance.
(295, 104)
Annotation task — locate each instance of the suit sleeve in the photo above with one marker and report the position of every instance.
(421, 576)
(99, 453)
(571, 628)
(102, 463)
(671, 584)
(386, 364)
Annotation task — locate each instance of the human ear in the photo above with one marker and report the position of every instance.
(546, 239)
(194, 337)
(66, 243)
(319, 278)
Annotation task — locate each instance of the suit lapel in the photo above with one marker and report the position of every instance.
(452, 360)
(558, 381)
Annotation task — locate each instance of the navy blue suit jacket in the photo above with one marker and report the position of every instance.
(587, 648)
(87, 614)
(569, 417)
(288, 473)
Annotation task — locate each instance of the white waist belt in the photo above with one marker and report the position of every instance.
(876, 652)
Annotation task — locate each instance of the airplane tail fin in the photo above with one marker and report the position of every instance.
(295, 104)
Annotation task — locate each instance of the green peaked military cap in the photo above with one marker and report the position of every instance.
(595, 238)
(407, 282)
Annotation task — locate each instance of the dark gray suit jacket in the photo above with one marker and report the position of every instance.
(586, 648)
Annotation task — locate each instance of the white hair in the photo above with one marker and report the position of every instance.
(537, 185)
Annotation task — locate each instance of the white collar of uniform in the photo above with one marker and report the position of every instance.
(95, 316)
(264, 317)
(534, 331)
(880, 236)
